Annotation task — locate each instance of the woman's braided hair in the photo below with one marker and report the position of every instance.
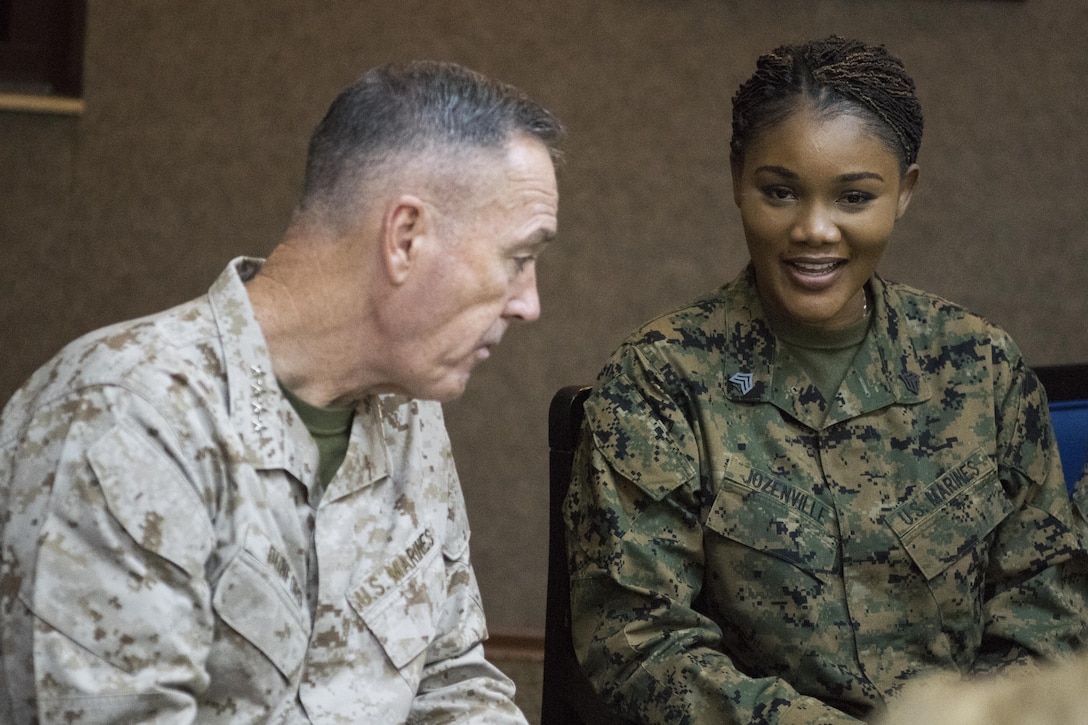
(834, 75)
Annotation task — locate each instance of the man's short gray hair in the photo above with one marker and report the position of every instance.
(413, 108)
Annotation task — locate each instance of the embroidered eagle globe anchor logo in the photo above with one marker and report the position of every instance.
(742, 382)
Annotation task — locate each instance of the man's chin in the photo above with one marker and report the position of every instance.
(447, 391)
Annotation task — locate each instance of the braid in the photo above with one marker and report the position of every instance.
(830, 73)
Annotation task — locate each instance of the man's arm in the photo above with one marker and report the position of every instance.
(110, 619)
(458, 684)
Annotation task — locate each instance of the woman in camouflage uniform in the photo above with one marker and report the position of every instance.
(812, 485)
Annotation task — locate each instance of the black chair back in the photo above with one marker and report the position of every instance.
(568, 698)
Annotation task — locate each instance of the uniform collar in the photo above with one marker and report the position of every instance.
(271, 432)
(886, 368)
(367, 459)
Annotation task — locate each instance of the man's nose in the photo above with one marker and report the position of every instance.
(525, 303)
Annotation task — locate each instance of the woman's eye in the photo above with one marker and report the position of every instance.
(855, 198)
(778, 193)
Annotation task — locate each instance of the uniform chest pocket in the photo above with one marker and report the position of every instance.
(258, 597)
(944, 521)
(399, 599)
(769, 515)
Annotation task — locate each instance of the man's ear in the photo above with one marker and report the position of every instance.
(403, 226)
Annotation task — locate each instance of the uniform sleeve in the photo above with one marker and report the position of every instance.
(1076, 571)
(458, 684)
(1032, 608)
(1080, 502)
(107, 540)
(637, 566)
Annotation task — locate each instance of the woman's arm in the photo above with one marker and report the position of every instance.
(637, 567)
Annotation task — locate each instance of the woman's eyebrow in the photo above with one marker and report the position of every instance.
(848, 177)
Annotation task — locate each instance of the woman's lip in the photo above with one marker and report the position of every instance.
(814, 273)
(815, 266)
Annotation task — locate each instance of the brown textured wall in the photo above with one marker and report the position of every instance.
(198, 111)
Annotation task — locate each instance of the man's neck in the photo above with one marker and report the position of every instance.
(311, 329)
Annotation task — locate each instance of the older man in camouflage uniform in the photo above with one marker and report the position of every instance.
(244, 509)
(744, 551)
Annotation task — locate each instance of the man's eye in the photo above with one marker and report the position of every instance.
(522, 262)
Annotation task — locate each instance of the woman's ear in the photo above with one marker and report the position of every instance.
(736, 168)
(906, 189)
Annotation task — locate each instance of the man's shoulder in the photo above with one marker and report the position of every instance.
(185, 340)
(148, 356)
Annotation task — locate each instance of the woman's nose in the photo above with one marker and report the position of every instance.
(815, 225)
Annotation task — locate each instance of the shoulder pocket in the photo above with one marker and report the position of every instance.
(254, 600)
(767, 514)
(949, 517)
(635, 439)
(151, 499)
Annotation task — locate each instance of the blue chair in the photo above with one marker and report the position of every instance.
(1067, 392)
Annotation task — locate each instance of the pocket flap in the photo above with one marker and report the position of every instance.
(400, 610)
(636, 441)
(950, 516)
(769, 515)
(252, 599)
(169, 519)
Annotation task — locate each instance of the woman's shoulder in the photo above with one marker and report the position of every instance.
(916, 304)
(907, 298)
(935, 321)
(695, 325)
(702, 316)
(693, 312)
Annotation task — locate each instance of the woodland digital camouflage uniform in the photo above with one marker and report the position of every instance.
(745, 552)
(1080, 501)
(166, 559)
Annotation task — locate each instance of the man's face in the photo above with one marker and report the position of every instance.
(481, 274)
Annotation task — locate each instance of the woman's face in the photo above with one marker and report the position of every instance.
(818, 196)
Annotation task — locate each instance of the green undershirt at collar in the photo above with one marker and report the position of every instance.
(331, 430)
(825, 355)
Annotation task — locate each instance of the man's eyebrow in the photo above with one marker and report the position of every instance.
(538, 239)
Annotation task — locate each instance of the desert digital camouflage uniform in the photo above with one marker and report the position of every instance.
(744, 552)
(167, 557)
